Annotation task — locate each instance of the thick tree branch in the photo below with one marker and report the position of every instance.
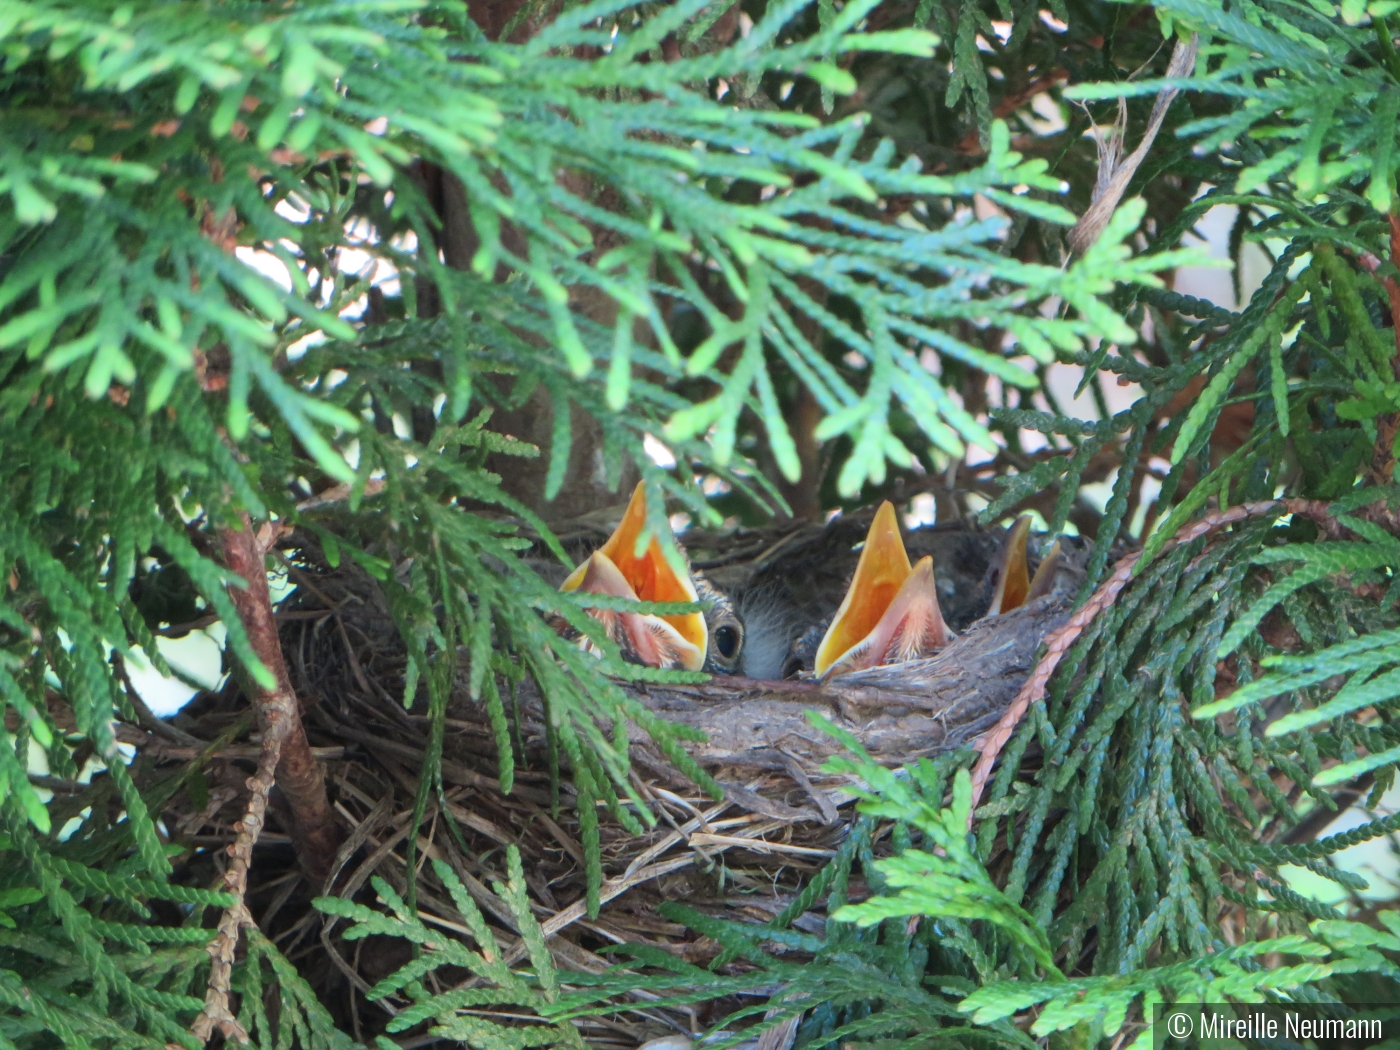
(285, 759)
(317, 835)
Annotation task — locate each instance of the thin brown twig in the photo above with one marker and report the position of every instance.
(179, 630)
(216, 1012)
(1387, 424)
(1058, 642)
(148, 719)
(1392, 288)
(1116, 171)
(1056, 645)
(159, 749)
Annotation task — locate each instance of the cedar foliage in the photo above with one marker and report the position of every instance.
(747, 230)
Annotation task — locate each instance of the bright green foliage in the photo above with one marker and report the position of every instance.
(1332, 947)
(154, 384)
(1368, 661)
(496, 983)
(946, 880)
(113, 296)
(1323, 113)
(660, 258)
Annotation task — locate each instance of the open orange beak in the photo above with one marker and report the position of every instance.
(1014, 581)
(1044, 580)
(890, 613)
(616, 569)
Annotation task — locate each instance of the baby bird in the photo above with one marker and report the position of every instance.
(711, 641)
(891, 613)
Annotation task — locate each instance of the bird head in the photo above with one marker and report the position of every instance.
(909, 624)
(617, 569)
(890, 613)
(727, 638)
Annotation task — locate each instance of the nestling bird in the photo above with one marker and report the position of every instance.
(860, 600)
(891, 611)
(711, 641)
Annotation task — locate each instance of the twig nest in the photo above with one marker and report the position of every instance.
(899, 713)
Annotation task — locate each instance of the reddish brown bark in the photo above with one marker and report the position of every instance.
(1382, 467)
(1392, 289)
(299, 775)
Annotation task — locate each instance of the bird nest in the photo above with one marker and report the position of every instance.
(746, 856)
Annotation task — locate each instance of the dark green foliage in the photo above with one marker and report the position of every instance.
(953, 977)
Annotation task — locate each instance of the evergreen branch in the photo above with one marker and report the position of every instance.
(1060, 641)
(486, 963)
(298, 773)
(950, 883)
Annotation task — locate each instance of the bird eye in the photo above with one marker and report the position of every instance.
(792, 667)
(727, 641)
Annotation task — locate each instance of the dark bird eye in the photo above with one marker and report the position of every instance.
(727, 641)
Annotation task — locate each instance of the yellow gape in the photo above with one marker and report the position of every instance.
(890, 613)
(616, 569)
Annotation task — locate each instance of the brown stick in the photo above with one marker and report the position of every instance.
(1115, 171)
(1382, 468)
(216, 1012)
(317, 834)
(1056, 645)
(1058, 642)
(285, 758)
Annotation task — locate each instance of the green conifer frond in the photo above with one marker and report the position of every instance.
(950, 890)
(229, 281)
(451, 1011)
